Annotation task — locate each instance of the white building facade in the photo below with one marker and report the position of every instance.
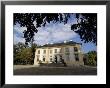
(54, 53)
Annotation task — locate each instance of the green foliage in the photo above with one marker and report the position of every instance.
(23, 54)
(92, 58)
(33, 48)
(86, 25)
(27, 19)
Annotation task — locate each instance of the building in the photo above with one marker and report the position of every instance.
(69, 52)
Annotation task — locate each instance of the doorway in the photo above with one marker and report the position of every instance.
(55, 59)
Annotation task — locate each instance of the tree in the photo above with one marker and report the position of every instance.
(26, 55)
(92, 57)
(17, 48)
(33, 49)
(86, 25)
(23, 54)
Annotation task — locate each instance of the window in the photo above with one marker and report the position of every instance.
(50, 51)
(67, 58)
(50, 59)
(67, 49)
(60, 50)
(61, 58)
(75, 49)
(55, 50)
(38, 51)
(50, 56)
(43, 58)
(44, 51)
(37, 58)
(76, 57)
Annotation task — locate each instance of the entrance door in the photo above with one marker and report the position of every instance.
(55, 59)
(60, 57)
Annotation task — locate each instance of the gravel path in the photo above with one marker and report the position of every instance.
(76, 70)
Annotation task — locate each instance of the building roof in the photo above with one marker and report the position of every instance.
(60, 44)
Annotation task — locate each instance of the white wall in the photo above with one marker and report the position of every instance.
(69, 60)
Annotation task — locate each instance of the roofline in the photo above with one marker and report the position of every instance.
(53, 45)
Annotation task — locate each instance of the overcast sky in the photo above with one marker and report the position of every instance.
(53, 33)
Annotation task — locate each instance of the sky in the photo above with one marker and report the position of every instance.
(53, 33)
